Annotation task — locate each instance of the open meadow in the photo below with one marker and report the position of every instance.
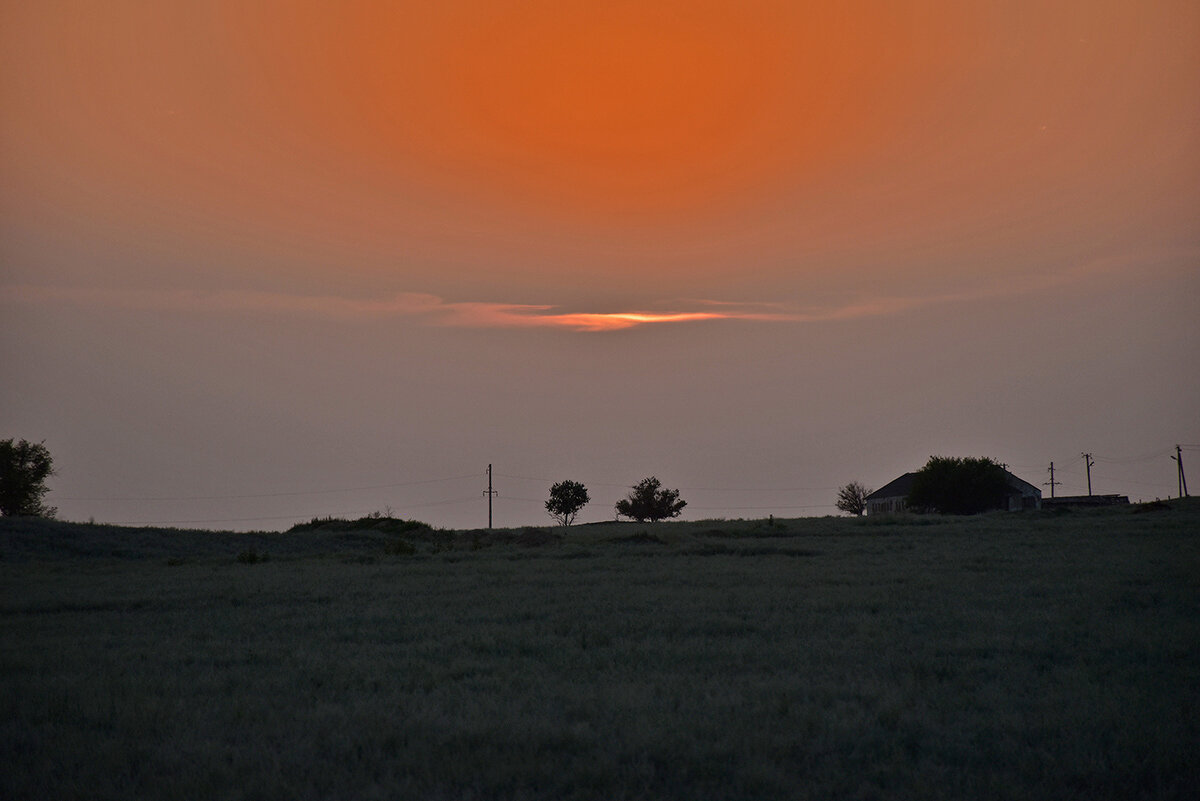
(1002, 656)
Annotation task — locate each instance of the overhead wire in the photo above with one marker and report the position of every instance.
(743, 508)
(1068, 468)
(689, 489)
(1132, 459)
(446, 502)
(205, 520)
(552, 481)
(273, 494)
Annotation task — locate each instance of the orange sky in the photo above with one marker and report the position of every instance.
(618, 108)
(656, 138)
(602, 169)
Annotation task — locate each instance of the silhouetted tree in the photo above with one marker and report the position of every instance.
(852, 498)
(566, 499)
(959, 486)
(649, 501)
(24, 468)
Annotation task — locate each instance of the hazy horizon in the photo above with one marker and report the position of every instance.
(264, 264)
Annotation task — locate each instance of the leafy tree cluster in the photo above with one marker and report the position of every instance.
(959, 486)
(650, 501)
(647, 501)
(852, 498)
(24, 468)
(566, 499)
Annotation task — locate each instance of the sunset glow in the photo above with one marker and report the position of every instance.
(754, 244)
(454, 398)
(610, 108)
(422, 308)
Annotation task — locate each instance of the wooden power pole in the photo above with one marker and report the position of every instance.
(1178, 457)
(490, 493)
(1051, 482)
(1087, 460)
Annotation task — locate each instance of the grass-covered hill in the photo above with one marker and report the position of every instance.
(381, 535)
(1008, 656)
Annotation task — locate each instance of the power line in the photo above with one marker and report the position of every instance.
(552, 481)
(742, 508)
(702, 508)
(1144, 483)
(690, 489)
(446, 502)
(273, 494)
(1071, 467)
(760, 489)
(207, 520)
(1130, 460)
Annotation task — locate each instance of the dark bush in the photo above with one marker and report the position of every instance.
(959, 486)
(650, 501)
(377, 521)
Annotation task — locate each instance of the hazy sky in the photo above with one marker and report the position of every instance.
(265, 261)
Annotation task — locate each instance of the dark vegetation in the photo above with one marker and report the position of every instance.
(852, 498)
(566, 499)
(376, 521)
(1004, 656)
(24, 468)
(650, 501)
(959, 486)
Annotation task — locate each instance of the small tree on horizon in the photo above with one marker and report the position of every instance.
(24, 468)
(959, 486)
(649, 501)
(566, 499)
(852, 498)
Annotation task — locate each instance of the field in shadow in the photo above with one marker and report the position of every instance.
(1001, 656)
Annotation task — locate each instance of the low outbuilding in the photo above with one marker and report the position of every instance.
(892, 497)
(1084, 501)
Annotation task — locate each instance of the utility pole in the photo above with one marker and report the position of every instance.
(1051, 482)
(490, 493)
(1178, 457)
(1089, 461)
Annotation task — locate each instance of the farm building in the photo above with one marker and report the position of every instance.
(893, 496)
(1084, 501)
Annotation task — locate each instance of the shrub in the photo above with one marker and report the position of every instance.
(376, 521)
(852, 498)
(957, 486)
(649, 501)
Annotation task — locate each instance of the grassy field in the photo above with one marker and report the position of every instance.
(1025, 656)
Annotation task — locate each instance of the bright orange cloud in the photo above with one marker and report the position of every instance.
(434, 310)
(406, 304)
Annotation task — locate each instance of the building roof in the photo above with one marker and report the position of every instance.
(1021, 484)
(898, 487)
(902, 486)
